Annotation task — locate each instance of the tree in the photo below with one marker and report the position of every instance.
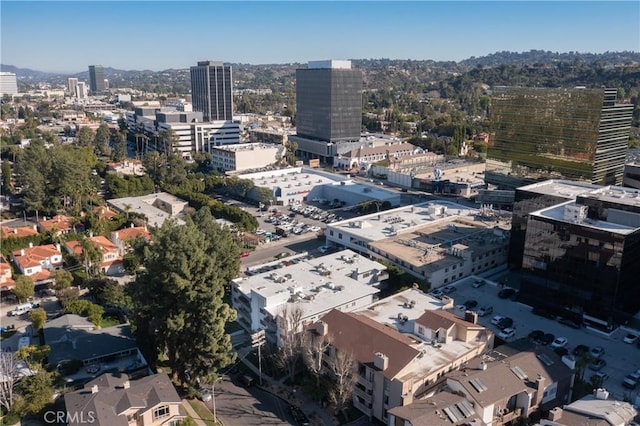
(91, 254)
(289, 325)
(68, 295)
(62, 279)
(38, 317)
(34, 393)
(101, 139)
(10, 375)
(341, 365)
(33, 355)
(178, 308)
(24, 288)
(85, 136)
(314, 346)
(119, 152)
(6, 177)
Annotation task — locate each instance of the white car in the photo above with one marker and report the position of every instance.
(507, 333)
(630, 338)
(324, 249)
(559, 342)
(496, 320)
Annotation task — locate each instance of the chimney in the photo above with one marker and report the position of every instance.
(90, 234)
(30, 245)
(555, 414)
(539, 389)
(35, 228)
(131, 224)
(58, 247)
(117, 235)
(126, 384)
(471, 317)
(15, 230)
(94, 389)
(21, 252)
(322, 328)
(380, 361)
(482, 366)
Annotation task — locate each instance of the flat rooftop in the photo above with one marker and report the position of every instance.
(298, 177)
(247, 147)
(388, 223)
(144, 205)
(371, 191)
(560, 188)
(557, 213)
(440, 244)
(318, 284)
(616, 194)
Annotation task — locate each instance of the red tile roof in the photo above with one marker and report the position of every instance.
(126, 234)
(21, 231)
(59, 222)
(34, 255)
(364, 337)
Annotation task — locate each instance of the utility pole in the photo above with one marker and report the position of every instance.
(257, 340)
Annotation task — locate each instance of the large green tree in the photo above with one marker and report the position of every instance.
(24, 288)
(178, 310)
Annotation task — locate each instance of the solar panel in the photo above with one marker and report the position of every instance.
(519, 372)
(478, 385)
(465, 408)
(452, 417)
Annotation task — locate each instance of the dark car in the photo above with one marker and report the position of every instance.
(561, 351)
(547, 339)
(470, 304)
(506, 293)
(505, 322)
(597, 364)
(298, 415)
(581, 350)
(536, 335)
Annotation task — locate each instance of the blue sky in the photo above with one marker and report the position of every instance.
(68, 36)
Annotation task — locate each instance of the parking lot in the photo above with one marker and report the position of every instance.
(620, 358)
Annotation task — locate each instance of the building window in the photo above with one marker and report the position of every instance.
(340, 236)
(161, 412)
(420, 330)
(331, 233)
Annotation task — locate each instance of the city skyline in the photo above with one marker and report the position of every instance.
(160, 35)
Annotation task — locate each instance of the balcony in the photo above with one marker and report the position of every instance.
(366, 395)
(363, 408)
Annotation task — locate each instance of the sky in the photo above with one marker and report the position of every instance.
(68, 36)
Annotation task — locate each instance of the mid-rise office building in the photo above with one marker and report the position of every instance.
(8, 83)
(72, 85)
(329, 109)
(580, 257)
(96, 79)
(572, 134)
(212, 90)
(245, 156)
(81, 90)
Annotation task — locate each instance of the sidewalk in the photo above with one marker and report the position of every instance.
(289, 394)
(192, 413)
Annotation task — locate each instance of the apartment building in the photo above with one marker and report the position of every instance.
(245, 156)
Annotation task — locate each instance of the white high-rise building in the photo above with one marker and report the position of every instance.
(82, 90)
(8, 83)
(72, 83)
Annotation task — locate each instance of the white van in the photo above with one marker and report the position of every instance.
(21, 309)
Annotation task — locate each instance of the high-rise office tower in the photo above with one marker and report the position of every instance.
(328, 109)
(212, 90)
(329, 101)
(573, 134)
(8, 83)
(73, 86)
(82, 90)
(96, 79)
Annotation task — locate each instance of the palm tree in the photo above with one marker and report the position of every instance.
(91, 254)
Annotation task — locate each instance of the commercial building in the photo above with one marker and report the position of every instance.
(343, 280)
(438, 241)
(328, 109)
(399, 360)
(245, 156)
(631, 175)
(572, 134)
(212, 90)
(72, 86)
(8, 83)
(96, 79)
(580, 258)
(82, 90)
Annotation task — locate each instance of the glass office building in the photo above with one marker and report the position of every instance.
(96, 79)
(572, 134)
(212, 90)
(580, 257)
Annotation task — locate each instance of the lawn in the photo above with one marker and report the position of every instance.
(109, 321)
(203, 412)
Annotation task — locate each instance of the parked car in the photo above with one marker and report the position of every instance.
(506, 293)
(507, 333)
(561, 351)
(597, 364)
(506, 322)
(478, 283)
(547, 339)
(324, 249)
(437, 294)
(496, 320)
(631, 381)
(630, 338)
(470, 304)
(448, 289)
(599, 378)
(559, 342)
(536, 335)
(485, 310)
(597, 352)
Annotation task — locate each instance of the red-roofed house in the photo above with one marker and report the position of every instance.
(59, 224)
(38, 262)
(19, 232)
(6, 281)
(105, 212)
(111, 263)
(123, 237)
(394, 367)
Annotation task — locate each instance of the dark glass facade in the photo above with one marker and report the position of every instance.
(572, 134)
(584, 269)
(329, 104)
(96, 79)
(212, 90)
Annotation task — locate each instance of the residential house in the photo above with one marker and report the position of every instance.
(38, 262)
(105, 212)
(122, 238)
(128, 167)
(111, 262)
(6, 280)
(501, 389)
(397, 365)
(442, 409)
(59, 224)
(114, 400)
(19, 232)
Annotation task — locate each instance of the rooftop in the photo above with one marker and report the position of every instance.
(247, 147)
(318, 285)
(146, 205)
(560, 188)
(298, 177)
(441, 409)
(557, 213)
(614, 412)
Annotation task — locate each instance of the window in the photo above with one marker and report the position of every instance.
(161, 412)
(340, 235)
(331, 233)
(420, 330)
